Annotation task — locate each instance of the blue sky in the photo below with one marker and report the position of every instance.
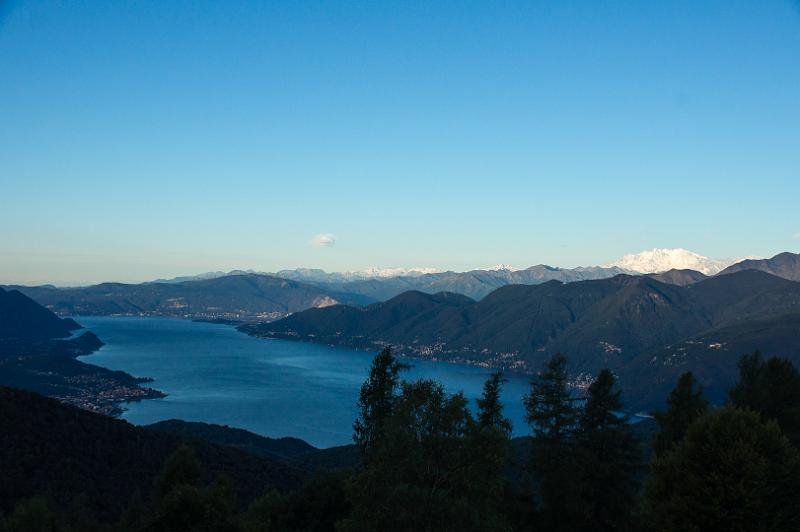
(150, 139)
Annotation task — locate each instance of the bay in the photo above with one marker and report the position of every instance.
(215, 374)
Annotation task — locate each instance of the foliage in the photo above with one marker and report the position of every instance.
(553, 417)
(32, 515)
(685, 404)
(435, 469)
(731, 472)
(610, 458)
(490, 407)
(772, 388)
(376, 400)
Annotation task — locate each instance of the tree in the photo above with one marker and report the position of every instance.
(772, 388)
(31, 515)
(731, 472)
(490, 407)
(376, 400)
(487, 453)
(181, 504)
(685, 404)
(423, 475)
(553, 417)
(610, 458)
(180, 468)
(266, 514)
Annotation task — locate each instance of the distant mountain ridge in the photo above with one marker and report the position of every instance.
(475, 284)
(246, 296)
(234, 297)
(785, 265)
(636, 325)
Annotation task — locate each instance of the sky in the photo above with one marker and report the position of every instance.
(141, 140)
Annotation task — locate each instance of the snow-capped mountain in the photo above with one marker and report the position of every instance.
(663, 259)
(314, 275)
(503, 268)
(369, 273)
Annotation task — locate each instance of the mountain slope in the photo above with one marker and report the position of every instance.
(21, 317)
(238, 438)
(229, 297)
(785, 265)
(35, 356)
(617, 323)
(679, 277)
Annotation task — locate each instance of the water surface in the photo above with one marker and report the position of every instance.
(215, 374)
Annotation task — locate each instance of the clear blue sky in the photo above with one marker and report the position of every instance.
(150, 139)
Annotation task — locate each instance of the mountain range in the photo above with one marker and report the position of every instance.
(644, 329)
(249, 296)
(231, 297)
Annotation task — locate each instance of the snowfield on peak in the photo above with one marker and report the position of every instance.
(663, 259)
(390, 272)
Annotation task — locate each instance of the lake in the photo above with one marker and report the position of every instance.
(215, 374)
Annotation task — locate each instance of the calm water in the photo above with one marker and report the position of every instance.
(275, 388)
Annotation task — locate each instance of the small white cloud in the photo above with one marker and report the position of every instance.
(797, 236)
(323, 240)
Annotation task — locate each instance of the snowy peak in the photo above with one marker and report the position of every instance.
(321, 276)
(659, 260)
(390, 272)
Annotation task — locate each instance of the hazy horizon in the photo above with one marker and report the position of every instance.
(498, 265)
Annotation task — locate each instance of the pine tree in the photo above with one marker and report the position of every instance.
(731, 472)
(490, 407)
(487, 454)
(549, 408)
(553, 417)
(771, 388)
(610, 458)
(376, 400)
(685, 404)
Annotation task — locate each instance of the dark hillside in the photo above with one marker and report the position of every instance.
(679, 277)
(55, 450)
(238, 438)
(21, 317)
(785, 265)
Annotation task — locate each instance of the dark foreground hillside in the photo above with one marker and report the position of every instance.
(60, 452)
(423, 459)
